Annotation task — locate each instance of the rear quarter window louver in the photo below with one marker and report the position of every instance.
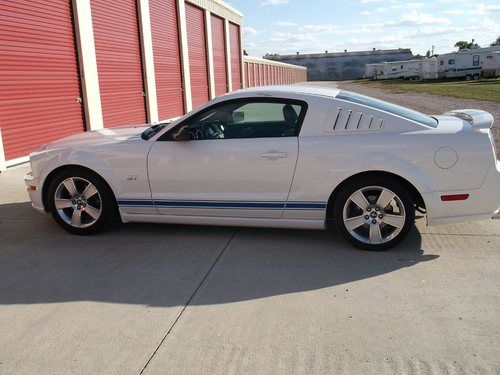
(346, 120)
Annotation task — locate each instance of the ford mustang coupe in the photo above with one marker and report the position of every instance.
(280, 156)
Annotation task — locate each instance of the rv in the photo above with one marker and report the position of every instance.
(464, 64)
(491, 67)
(411, 69)
(372, 70)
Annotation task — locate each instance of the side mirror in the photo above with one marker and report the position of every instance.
(182, 134)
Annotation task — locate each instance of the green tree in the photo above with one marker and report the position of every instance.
(496, 42)
(464, 45)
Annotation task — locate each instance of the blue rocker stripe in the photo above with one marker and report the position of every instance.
(214, 204)
(304, 205)
(220, 204)
(135, 203)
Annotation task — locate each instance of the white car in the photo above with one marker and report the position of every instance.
(280, 156)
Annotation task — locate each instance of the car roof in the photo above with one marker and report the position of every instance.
(288, 89)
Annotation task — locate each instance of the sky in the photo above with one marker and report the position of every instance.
(316, 26)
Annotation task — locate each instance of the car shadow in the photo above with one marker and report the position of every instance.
(162, 265)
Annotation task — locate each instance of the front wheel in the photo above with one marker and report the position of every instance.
(80, 202)
(374, 213)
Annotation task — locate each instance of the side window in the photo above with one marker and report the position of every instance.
(248, 119)
(441, 62)
(451, 62)
(475, 60)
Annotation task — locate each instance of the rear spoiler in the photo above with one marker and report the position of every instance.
(478, 119)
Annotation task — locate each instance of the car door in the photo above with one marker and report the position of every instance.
(239, 160)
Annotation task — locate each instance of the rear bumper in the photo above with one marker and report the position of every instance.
(482, 204)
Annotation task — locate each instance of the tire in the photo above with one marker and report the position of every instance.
(88, 209)
(369, 228)
(468, 77)
(476, 77)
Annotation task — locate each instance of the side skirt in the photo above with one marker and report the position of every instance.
(225, 221)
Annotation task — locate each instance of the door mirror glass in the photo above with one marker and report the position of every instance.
(181, 134)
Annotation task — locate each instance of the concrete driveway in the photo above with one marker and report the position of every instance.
(160, 299)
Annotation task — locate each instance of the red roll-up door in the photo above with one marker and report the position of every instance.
(195, 19)
(116, 35)
(245, 71)
(167, 58)
(219, 51)
(251, 75)
(39, 81)
(234, 37)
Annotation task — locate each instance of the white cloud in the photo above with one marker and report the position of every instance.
(394, 6)
(286, 24)
(484, 9)
(247, 30)
(410, 19)
(274, 2)
(454, 11)
(318, 28)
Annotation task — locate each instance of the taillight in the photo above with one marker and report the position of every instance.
(454, 197)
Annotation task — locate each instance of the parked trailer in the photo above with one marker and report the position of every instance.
(410, 69)
(371, 70)
(464, 64)
(491, 66)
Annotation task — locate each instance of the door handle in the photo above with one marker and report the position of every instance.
(275, 155)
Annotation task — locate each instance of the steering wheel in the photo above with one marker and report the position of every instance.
(212, 131)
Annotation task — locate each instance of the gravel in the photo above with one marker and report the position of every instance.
(425, 103)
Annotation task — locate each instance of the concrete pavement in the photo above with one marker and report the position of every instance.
(162, 299)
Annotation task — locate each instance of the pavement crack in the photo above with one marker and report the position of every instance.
(460, 234)
(189, 300)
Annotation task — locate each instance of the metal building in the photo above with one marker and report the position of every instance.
(342, 65)
(69, 66)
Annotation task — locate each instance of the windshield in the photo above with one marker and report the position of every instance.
(388, 107)
(153, 130)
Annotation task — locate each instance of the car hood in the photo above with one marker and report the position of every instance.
(101, 136)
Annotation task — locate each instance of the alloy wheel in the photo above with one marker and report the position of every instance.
(374, 215)
(78, 202)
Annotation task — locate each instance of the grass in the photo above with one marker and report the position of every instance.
(483, 89)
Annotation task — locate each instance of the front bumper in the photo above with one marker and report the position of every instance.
(34, 188)
(496, 215)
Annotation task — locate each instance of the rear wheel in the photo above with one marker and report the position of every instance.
(374, 213)
(476, 76)
(80, 202)
(468, 77)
